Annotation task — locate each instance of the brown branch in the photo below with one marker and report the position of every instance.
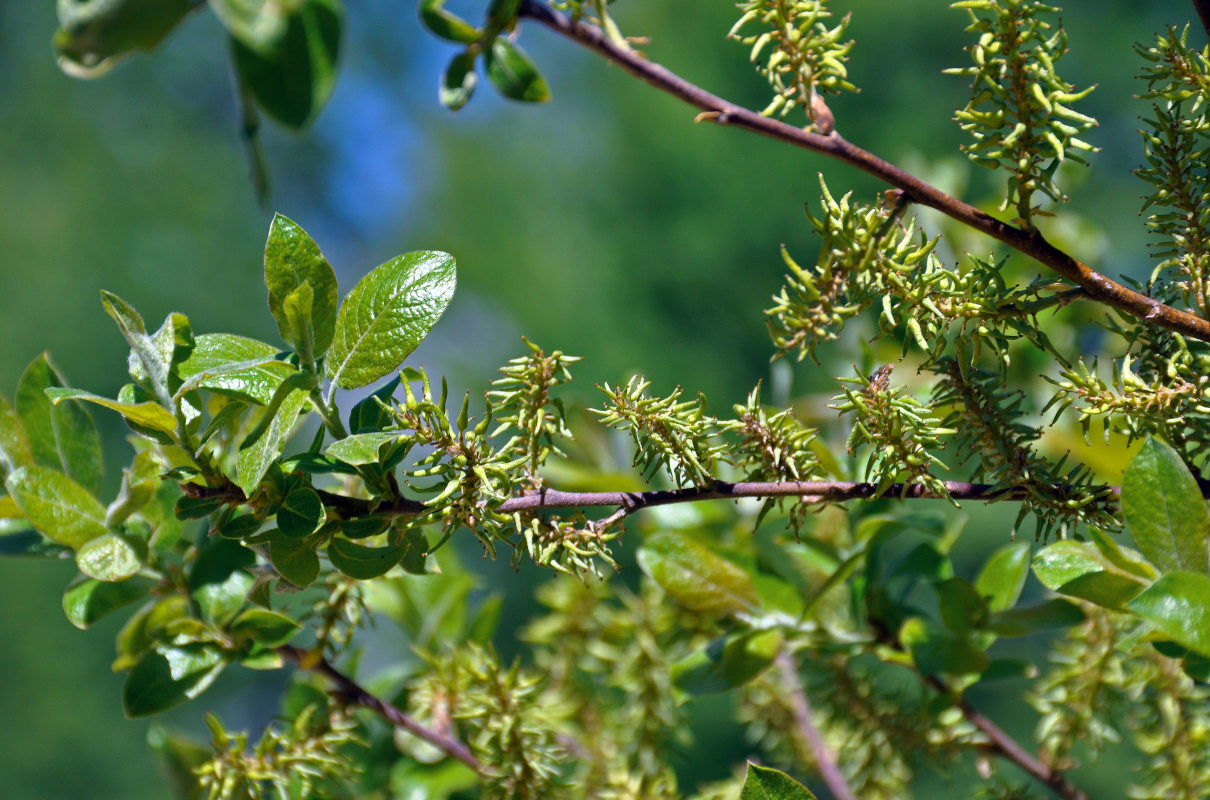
(1007, 747)
(717, 110)
(1203, 11)
(828, 769)
(354, 695)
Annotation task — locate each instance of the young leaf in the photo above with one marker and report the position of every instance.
(1078, 569)
(161, 680)
(293, 560)
(1165, 510)
(292, 260)
(459, 81)
(57, 506)
(89, 600)
(111, 557)
(513, 74)
(256, 456)
(1178, 605)
(387, 314)
(147, 415)
(363, 563)
(235, 366)
(448, 26)
(148, 365)
(1003, 576)
(301, 513)
(61, 437)
(294, 80)
(695, 577)
(257, 24)
(361, 448)
(765, 783)
(960, 605)
(727, 662)
(263, 627)
(14, 444)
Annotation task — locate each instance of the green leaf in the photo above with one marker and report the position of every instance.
(62, 437)
(1050, 615)
(938, 650)
(14, 444)
(89, 600)
(94, 35)
(293, 260)
(258, 24)
(301, 513)
(148, 364)
(256, 456)
(695, 577)
(219, 601)
(1079, 569)
(448, 26)
(387, 314)
(162, 680)
(235, 366)
(111, 557)
(31, 544)
(360, 562)
(960, 605)
(292, 81)
(368, 415)
(1178, 605)
(293, 560)
(459, 82)
(727, 662)
(265, 628)
(240, 527)
(1003, 576)
(361, 448)
(765, 783)
(196, 507)
(57, 506)
(513, 74)
(1165, 510)
(148, 415)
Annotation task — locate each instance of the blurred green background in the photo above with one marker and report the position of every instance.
(604, 223)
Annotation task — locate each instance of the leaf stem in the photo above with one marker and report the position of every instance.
(353, 694)
(719, 111)
(328, 413)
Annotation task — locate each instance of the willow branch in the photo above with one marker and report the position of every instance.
(721, 112)
(828, 769)
(1203, 11)
(355, 695)
(1005, 746)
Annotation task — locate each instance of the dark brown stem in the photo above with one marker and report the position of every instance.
(1007, 747)
(828, 769)
(1203, 11)
(1031, 243)
(354, 695)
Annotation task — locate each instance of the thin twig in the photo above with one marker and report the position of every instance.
(722, 112)
(354, 695)
(1203, 11)
(828, 769)
(1007, 747)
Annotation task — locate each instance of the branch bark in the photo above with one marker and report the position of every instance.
(829, 770)
(1031, 243)
(355, 695)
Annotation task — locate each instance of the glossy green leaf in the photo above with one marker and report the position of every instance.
(258, 24)
(94, 35)
(235, 366)
(387, 314)
(301, 513)
(256, 456)
(1165, 510)
(459, 82)
(240, 527)
(766, 783)
(14, 444)
(57, 506)
(219, 601)
(360, 562)
(148, 415)
(62, 437)
(292, 81)
(361, 448)
(938, 650)
(448, 26)
(1003, 576)
(1050, 615)
(727, 662)
(696, 577)
(513, 74)
(263, 627)
(89, 600)
(293, 260)
(1127, 559)
(162, 680)
(960, 605)
(293, 560)
(1178, 605)
(1079, 569)
(111, 557)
